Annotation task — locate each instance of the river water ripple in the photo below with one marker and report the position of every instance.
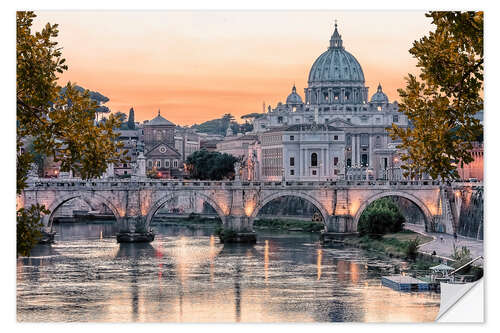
(186, 275)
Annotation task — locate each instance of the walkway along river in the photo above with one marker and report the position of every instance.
(186, 275)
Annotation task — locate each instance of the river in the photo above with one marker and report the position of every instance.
(186, 275)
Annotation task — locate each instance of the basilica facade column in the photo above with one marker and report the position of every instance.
(358, 149)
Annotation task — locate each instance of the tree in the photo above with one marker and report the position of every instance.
(210, 165)
(381, 217)
(442, 102)
(122, 117)
(131, 121)
(218, 126)
(59, 125)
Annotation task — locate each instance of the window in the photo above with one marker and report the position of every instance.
(175, 163)
(379, 108)
(385, 162)
(335, 172)
(292, 161)
(364, 139)
(335, 137)
(314, 160)
(124, 165)
(158, 163)
(280, 120)
(167, 163)
(292, 172)
(364, 159)
(150, 163)
(348, 162)
(395, 118)
(378, 141)
(335, 160)
(292, 137)
(314, 172)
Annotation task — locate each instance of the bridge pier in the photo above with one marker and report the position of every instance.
(238, 229)
(133, 230)
(337, 226)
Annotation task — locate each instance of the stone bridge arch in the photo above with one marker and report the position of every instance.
(415, 200)
(278, 194)
(164, 199)
(91, 198)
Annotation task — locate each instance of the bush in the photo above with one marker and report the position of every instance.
(381, 217)
(412, 248)
(461, 257)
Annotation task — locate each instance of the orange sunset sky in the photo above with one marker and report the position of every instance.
(198, 65)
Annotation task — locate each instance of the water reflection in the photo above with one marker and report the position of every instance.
(186, 275)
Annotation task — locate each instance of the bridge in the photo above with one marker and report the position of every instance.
(134, 202)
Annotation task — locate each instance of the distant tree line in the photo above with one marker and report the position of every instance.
(219, 126)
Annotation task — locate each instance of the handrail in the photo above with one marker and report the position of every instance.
(465, 265)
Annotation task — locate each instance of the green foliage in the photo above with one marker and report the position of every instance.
(29, 225)
(461, 257)
(253, 115)
(442, 102)
(380, 217)
(131, 120)
(59, 125)
(220, 126)
(210, 165)
(412, 248)
(279, 224)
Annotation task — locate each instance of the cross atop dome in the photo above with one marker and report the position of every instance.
(336, 40)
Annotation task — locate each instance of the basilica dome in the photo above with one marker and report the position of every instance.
(379, 96)
(336, 64)
(294, 98)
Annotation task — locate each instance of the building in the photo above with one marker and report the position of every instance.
(336, 97)
(237, 145)
(160, 153)
(131, 140)
(186, 142)
(475, 169)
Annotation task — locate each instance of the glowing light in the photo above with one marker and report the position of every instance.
(353, 208)
(318, 262)
(250, 206)
(266, 260)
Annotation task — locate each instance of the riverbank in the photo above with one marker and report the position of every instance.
(191, 221)
(395, 245)
(288, 225)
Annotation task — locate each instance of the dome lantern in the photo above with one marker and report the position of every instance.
(336, 39)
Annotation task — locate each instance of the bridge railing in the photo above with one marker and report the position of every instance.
(103, 184)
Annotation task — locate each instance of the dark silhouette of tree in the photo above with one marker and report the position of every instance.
(210, 165)
(131, 121)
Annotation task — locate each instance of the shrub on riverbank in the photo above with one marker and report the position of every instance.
(282, 224)
(403, 244)
(412, 248)
(380, 217)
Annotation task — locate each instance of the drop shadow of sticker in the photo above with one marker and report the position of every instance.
(451, 294)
